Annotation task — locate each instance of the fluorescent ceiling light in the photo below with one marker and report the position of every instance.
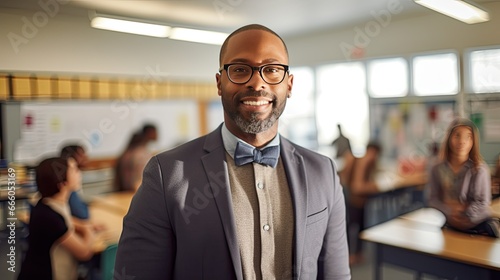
(457, 9)
(133, 27)
(199, 36)
(157, 30)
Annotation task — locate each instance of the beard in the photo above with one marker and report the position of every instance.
(253, 124)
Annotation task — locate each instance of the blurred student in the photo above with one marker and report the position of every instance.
(78, 207)
(130, 165)
(56, 244)
(150, 133)
(360, 186)
(460, 184)
(341, 143)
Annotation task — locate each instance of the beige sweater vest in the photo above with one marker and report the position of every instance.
(263, 213)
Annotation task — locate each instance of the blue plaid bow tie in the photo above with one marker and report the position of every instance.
(245, 153)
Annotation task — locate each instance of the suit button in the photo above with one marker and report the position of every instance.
(260, 185)
(266, 227)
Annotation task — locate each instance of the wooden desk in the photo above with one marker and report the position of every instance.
(405, 195)
(109, 210)
(113, 223)
(416, 241)
(118, 202)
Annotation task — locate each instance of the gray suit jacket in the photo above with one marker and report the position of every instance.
(180, 224)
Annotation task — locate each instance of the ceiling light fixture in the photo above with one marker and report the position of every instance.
(457, 9)
(198, 36)
(134, 27)
(126, 25)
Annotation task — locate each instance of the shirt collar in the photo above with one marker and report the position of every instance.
(230, 141)
(467, 165)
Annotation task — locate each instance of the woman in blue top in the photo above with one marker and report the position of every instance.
(460, 183)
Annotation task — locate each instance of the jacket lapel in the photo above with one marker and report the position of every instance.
(296, 176)
(215, 166)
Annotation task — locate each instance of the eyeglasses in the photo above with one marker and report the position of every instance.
(240, 73)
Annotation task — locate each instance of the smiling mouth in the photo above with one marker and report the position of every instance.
(256, 103)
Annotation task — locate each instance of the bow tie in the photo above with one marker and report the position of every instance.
(245, 153)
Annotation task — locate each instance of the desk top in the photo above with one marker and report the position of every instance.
(109, 210)
(113, 223)
(420, 231)
(118, 202)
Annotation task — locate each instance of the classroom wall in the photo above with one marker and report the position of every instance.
(385, 36)
(68, 44)
(396, 36)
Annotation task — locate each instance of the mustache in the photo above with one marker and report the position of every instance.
(256, 93)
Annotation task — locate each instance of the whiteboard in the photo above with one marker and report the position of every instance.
(103, 127)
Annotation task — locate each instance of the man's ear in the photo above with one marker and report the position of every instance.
(218, 81)
(290, 85)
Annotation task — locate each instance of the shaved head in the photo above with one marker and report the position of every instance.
(223, 49)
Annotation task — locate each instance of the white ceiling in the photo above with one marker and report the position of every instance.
(287, 17)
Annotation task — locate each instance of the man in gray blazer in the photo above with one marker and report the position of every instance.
(241, 202)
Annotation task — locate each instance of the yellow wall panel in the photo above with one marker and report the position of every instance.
(84, 89)
(104, 89)
(163, 90)
(121, 90)
(4, 87)
(43, 86)
(64, 88)
(22, 87)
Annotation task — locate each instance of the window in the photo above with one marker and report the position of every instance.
(342, 99)
(301, 102)
(484, 71)
(435, 74)
(387, 77)
(297, 122)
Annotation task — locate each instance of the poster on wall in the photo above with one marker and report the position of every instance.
(410, 129)
(491, 125)
(104, 128)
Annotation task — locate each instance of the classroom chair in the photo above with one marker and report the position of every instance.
(108, 262)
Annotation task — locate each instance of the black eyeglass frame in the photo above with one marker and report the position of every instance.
(256, 68)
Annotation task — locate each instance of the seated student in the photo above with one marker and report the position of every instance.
(78, 207)
(150, 134)
(460, 184)
(55, 244)
(361, 184)
(130, 165)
